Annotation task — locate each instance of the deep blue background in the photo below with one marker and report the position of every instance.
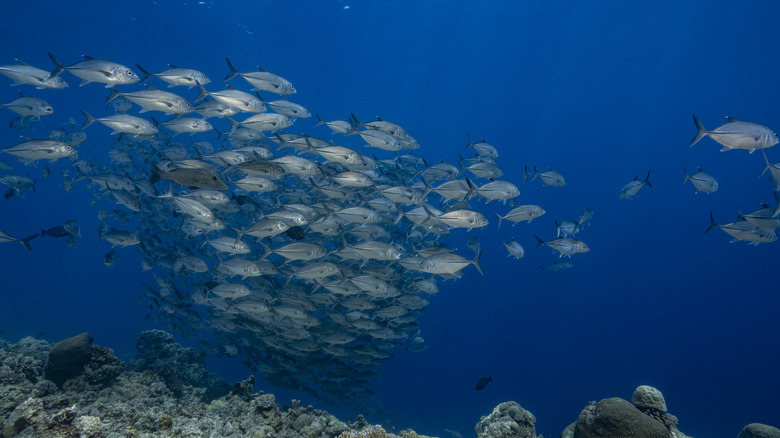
(599, 91)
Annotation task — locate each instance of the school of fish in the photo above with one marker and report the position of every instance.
(311, 258)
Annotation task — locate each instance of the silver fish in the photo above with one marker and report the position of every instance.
(521, 213)
(515, 249)
(22, 74)
(29, 106)
(233, 98)
(96, 70)
(631, 189)
(744, 230)
(187, 125)
(176, 76)
(119, 237)
(122, 123)
(289, 109)
(40, 150)
(263, 80)
(737, 135)
(483, 148)
(153, 99)
(704, 182)
(550, 177)
(449, 263)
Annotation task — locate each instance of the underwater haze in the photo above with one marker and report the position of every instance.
(601, 92)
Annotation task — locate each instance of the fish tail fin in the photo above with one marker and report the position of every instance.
(536, 173)
(267, 250)
(114, 94)
(647, 180)
(58, 67)
(499, 220)
(233, 72)
(540, 242)
(26, 241)
(687, 175)
(203, 92)
(147, 74)
(156, 173)
(472, 188)
(90, 120)
(429, 213)
(319, 120)
(355, 120)
(767, 164)
(399, 217)
(471, 143)
(428, 188)
(233, 126)
(475, 262)
(699, 135)
(713, 224)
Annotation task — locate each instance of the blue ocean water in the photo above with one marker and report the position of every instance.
(600, 92)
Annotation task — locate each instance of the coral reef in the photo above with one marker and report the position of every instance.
(758, 430)
(617, 418)
(648, 398)
(67, 358)
(165, 393)
(178, 366)
(644, 417)
(508, 420)
(107, 401)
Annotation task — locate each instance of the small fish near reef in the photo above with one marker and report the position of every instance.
(483, 382)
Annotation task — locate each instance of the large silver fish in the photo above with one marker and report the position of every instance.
(96, 70)
(263, 80)
(744, 230)
(22, 74)
(449, 263)
(29, 106)
(176, 76)
(41, 150)
(122, 123)
(737, 135)
(152, 99)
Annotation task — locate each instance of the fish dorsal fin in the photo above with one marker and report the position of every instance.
(731, 119)
(149, 87)
(21, 62)
(261, 68)
(87, 57)
(172, 66)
